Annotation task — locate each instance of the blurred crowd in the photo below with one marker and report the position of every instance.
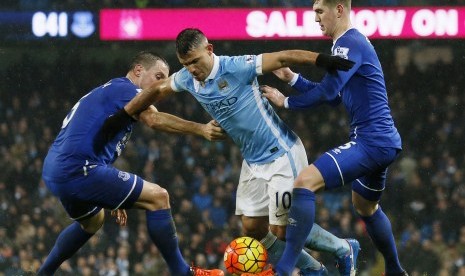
(99, 4)
(425, 195)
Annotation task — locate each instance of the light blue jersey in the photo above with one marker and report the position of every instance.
(231, 96)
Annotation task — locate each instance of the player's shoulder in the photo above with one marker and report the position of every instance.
(123, 81)
(119, 87)
(235, 63)
(182, 80)
(351, 36)
(352, 40)
(181, 75)
(240, 58)
(118, 83)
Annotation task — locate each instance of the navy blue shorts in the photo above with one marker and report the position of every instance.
(365, 167)
(102, 187)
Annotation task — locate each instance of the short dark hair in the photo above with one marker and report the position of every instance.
(333, 3)
(189, 39)
(146, 59)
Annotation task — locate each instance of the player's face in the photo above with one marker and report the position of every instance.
(159, 71)
(199, 61)
(326, 16)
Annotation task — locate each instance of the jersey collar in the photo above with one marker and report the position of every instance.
(334, 40)
(216, 67)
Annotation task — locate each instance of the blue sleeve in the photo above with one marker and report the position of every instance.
(327, 91)
(302, 84)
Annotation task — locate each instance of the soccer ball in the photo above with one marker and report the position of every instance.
(245, 254)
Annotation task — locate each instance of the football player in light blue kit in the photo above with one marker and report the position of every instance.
(373, 145)
(228, 90)
(78, 170)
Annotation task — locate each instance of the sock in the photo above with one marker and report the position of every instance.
(68, 242)
(324, 241)
(300, 222)
(162, 231)
(379, 228)
(275, 248)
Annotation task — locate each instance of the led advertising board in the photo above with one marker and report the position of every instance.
(279, 24)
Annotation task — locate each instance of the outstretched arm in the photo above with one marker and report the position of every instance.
(173, 124)
(276, 60)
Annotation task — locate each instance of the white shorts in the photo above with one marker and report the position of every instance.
(265, 189)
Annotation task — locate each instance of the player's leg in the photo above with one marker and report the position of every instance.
(124, 191)
(366, 193)
(331, 170)
(70, 240)
(88, 219)
(160, 225)
(301, 218)
(280, 177)
(319, 239)
(379, 228)
(306, 263)
(275, 247)
(263, 196)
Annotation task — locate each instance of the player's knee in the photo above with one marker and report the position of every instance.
(279, 231)
(256, 233)
(366, 208)
(255, 229)
(310, 178)
(159, 198)
(299, 182)
(93, 224)
(307, 183)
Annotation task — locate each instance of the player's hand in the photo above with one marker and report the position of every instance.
(273, 95)
(121, 216)
(212, 131)
(114, 124)
(284, 74)
(333, 63)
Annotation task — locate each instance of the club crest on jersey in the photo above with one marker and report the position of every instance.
(342, 52)
(249, 59)
(222, 84)
(123, 175)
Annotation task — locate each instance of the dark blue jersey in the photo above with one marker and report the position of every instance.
(74, 148)
(362, 90)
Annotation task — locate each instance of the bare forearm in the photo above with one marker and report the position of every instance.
(276, 60)
(170, 123)
(298, 57)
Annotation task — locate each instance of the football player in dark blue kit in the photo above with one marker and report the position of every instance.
(78, 170)
(374, 142)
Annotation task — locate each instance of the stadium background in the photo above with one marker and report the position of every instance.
(42, 79)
